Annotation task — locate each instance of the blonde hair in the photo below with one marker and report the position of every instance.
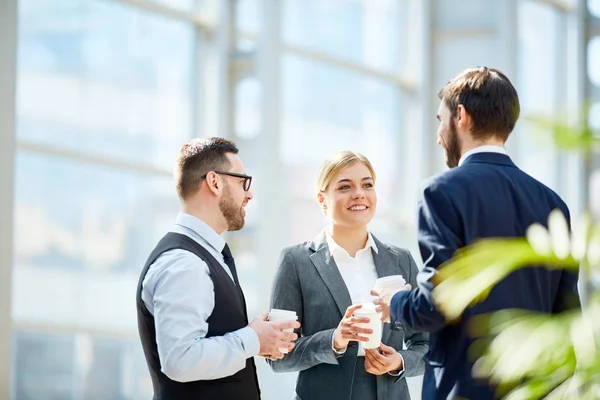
(336, 164)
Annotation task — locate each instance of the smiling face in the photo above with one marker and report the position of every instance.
(350, 199)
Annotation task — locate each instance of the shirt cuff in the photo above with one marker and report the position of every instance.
(249, 340)
(400, 371)
(337, 353)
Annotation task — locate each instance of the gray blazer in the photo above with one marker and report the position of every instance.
(309, 282)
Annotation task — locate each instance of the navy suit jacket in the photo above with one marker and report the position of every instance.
(487, 196)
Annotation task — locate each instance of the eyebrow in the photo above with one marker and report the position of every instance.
(350, 180)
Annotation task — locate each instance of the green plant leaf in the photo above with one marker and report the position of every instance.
(567, 137)
(468, 277)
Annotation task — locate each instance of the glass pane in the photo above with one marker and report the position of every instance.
(368, 32)
(206, 8)
(43, 366)
(538, 60)
(74, 367)
(112, 369)
(248, 95)
(248, 15)
(593, 60)
(594, 117)
(104, 78)
(81, 232)
(101, 219)
(326, 110)
(594, 7)
(182, 4)
(538, 85)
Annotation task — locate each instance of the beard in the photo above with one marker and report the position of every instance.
(232, 212)
(451, 146)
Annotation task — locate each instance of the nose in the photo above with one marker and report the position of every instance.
(358, 193)
(249, 195)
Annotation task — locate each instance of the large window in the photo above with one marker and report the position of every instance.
(105, 96)
(108, 90)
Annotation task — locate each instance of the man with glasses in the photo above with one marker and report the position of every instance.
(191, 310)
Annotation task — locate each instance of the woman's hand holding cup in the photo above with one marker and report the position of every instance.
(348, 331)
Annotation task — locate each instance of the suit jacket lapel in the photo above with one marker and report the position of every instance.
(386, 264)
(329, 272)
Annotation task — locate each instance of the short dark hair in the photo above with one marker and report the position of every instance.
(489, 98)
(197, 158)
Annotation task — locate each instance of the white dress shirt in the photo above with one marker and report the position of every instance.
(488, 148)
(359, 272)
(178, 291)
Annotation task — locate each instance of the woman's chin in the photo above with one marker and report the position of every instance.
(357, 222)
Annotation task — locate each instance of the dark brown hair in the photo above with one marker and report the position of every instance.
(489, 98)
(197, 158)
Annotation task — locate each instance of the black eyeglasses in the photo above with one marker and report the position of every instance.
(247, 178)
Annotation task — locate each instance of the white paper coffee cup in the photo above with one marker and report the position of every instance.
(368, 310)
(277, 315)
(392, 282)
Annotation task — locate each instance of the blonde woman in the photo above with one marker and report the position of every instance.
(323, 278)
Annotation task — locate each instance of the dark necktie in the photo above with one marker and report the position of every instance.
(228, 258)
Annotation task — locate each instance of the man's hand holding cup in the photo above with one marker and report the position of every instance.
(351, 328)
(275, 331)
(385, 288)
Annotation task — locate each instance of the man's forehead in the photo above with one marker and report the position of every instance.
(236, 162)
(442, 108)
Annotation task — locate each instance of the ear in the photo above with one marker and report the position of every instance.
(322, 202)
(213, 183)
(463, 119)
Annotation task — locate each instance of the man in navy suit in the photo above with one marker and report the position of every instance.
(482, 195)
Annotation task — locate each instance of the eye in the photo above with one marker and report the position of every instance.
(344, 187)
(368, 185)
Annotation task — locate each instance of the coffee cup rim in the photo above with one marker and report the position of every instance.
(283, 317)
(279, 311)
(366, 312)
(390, 278)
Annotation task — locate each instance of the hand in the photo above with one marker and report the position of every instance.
(384, 297)
(272, 337)
(347, 332)
(379, 364)
(272, 357)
